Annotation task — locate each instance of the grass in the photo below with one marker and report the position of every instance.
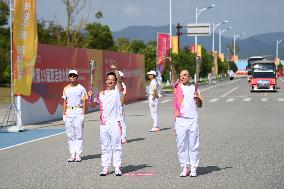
(5, 95)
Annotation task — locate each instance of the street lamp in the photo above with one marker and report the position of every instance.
(214, 26)
(235, 37)
(197, 13)
(277, 44)
(220, 34)
(170, 24)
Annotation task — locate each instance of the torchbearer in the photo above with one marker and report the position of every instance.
(110, 126)
(74, 109)
(186, 101)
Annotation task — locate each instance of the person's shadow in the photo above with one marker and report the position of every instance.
(95, 156)
(164, 129)
(132, 168)
(135, 140)
(209, 169)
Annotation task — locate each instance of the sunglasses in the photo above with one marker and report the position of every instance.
(73, 75)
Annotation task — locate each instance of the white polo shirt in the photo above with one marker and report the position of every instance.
(110, 106)
(74, 95)
(152, 87)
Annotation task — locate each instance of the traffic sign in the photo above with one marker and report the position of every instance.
(201, 29)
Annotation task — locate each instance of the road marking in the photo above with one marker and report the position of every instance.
(167, 100)
(32, 141)
(247, 99)
(219, 85)
(139, 174)
(264, 99)
(230, 100)
(214, 100)
(227, 93)
(281, 99)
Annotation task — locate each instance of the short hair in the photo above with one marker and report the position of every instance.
(112, 73)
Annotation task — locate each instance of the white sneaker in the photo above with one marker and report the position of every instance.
(78, 158)
(155, 129)
(123, 140)
(117, 172)
(72, 158)
(193, 172)
(185, 172)
(104, 172)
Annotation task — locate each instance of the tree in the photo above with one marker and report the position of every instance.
(150, 57)
(4, 12)
(230, 46)
(73, 8)
(99, 37)
(99, 15)
(122, 44)
(4, 45)
(137, 46)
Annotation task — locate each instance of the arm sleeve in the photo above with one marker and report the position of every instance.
(84, 95)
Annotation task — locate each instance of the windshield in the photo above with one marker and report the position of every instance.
(263, 75)
(263, 70)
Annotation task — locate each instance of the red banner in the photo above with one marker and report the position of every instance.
(163, 50)
(53, 63)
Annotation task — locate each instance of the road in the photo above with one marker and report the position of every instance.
(242, 138)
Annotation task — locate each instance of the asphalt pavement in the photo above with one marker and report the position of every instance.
(242, 140)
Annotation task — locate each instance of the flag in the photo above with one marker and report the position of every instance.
(24, 45)
(163, 50)
(175, 44)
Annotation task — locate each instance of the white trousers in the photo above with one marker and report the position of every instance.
(153, 105)
(187, 138)
(74, 131)
(110, 140)
(123, 121)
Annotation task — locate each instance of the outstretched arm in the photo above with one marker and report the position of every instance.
(174, 73)
(119, 81)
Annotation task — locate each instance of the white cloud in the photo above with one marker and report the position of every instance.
(131, 10)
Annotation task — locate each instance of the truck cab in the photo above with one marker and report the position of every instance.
(263, 76)
(251, 60)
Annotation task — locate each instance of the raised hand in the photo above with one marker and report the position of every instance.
(113, 64)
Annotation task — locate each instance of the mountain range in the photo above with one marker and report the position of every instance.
(256, 45)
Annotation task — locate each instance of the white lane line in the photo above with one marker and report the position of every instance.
(264, 99)
(214, 100)
(229, 92)
(230, 100)
(281, 99)
(32, 141)
(164, 101)
(218, 85)
(247, 99)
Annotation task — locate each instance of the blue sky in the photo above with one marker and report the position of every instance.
(248, 16)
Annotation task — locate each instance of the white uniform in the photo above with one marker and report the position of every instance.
(110, 127)
(123, 110)
(186, 125)
(153, 104)
(74, 117)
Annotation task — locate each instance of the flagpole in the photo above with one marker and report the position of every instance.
(12, 106)
(170, 24)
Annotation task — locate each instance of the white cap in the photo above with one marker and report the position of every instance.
(152, 72)
(73, 72)
(121, 74)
